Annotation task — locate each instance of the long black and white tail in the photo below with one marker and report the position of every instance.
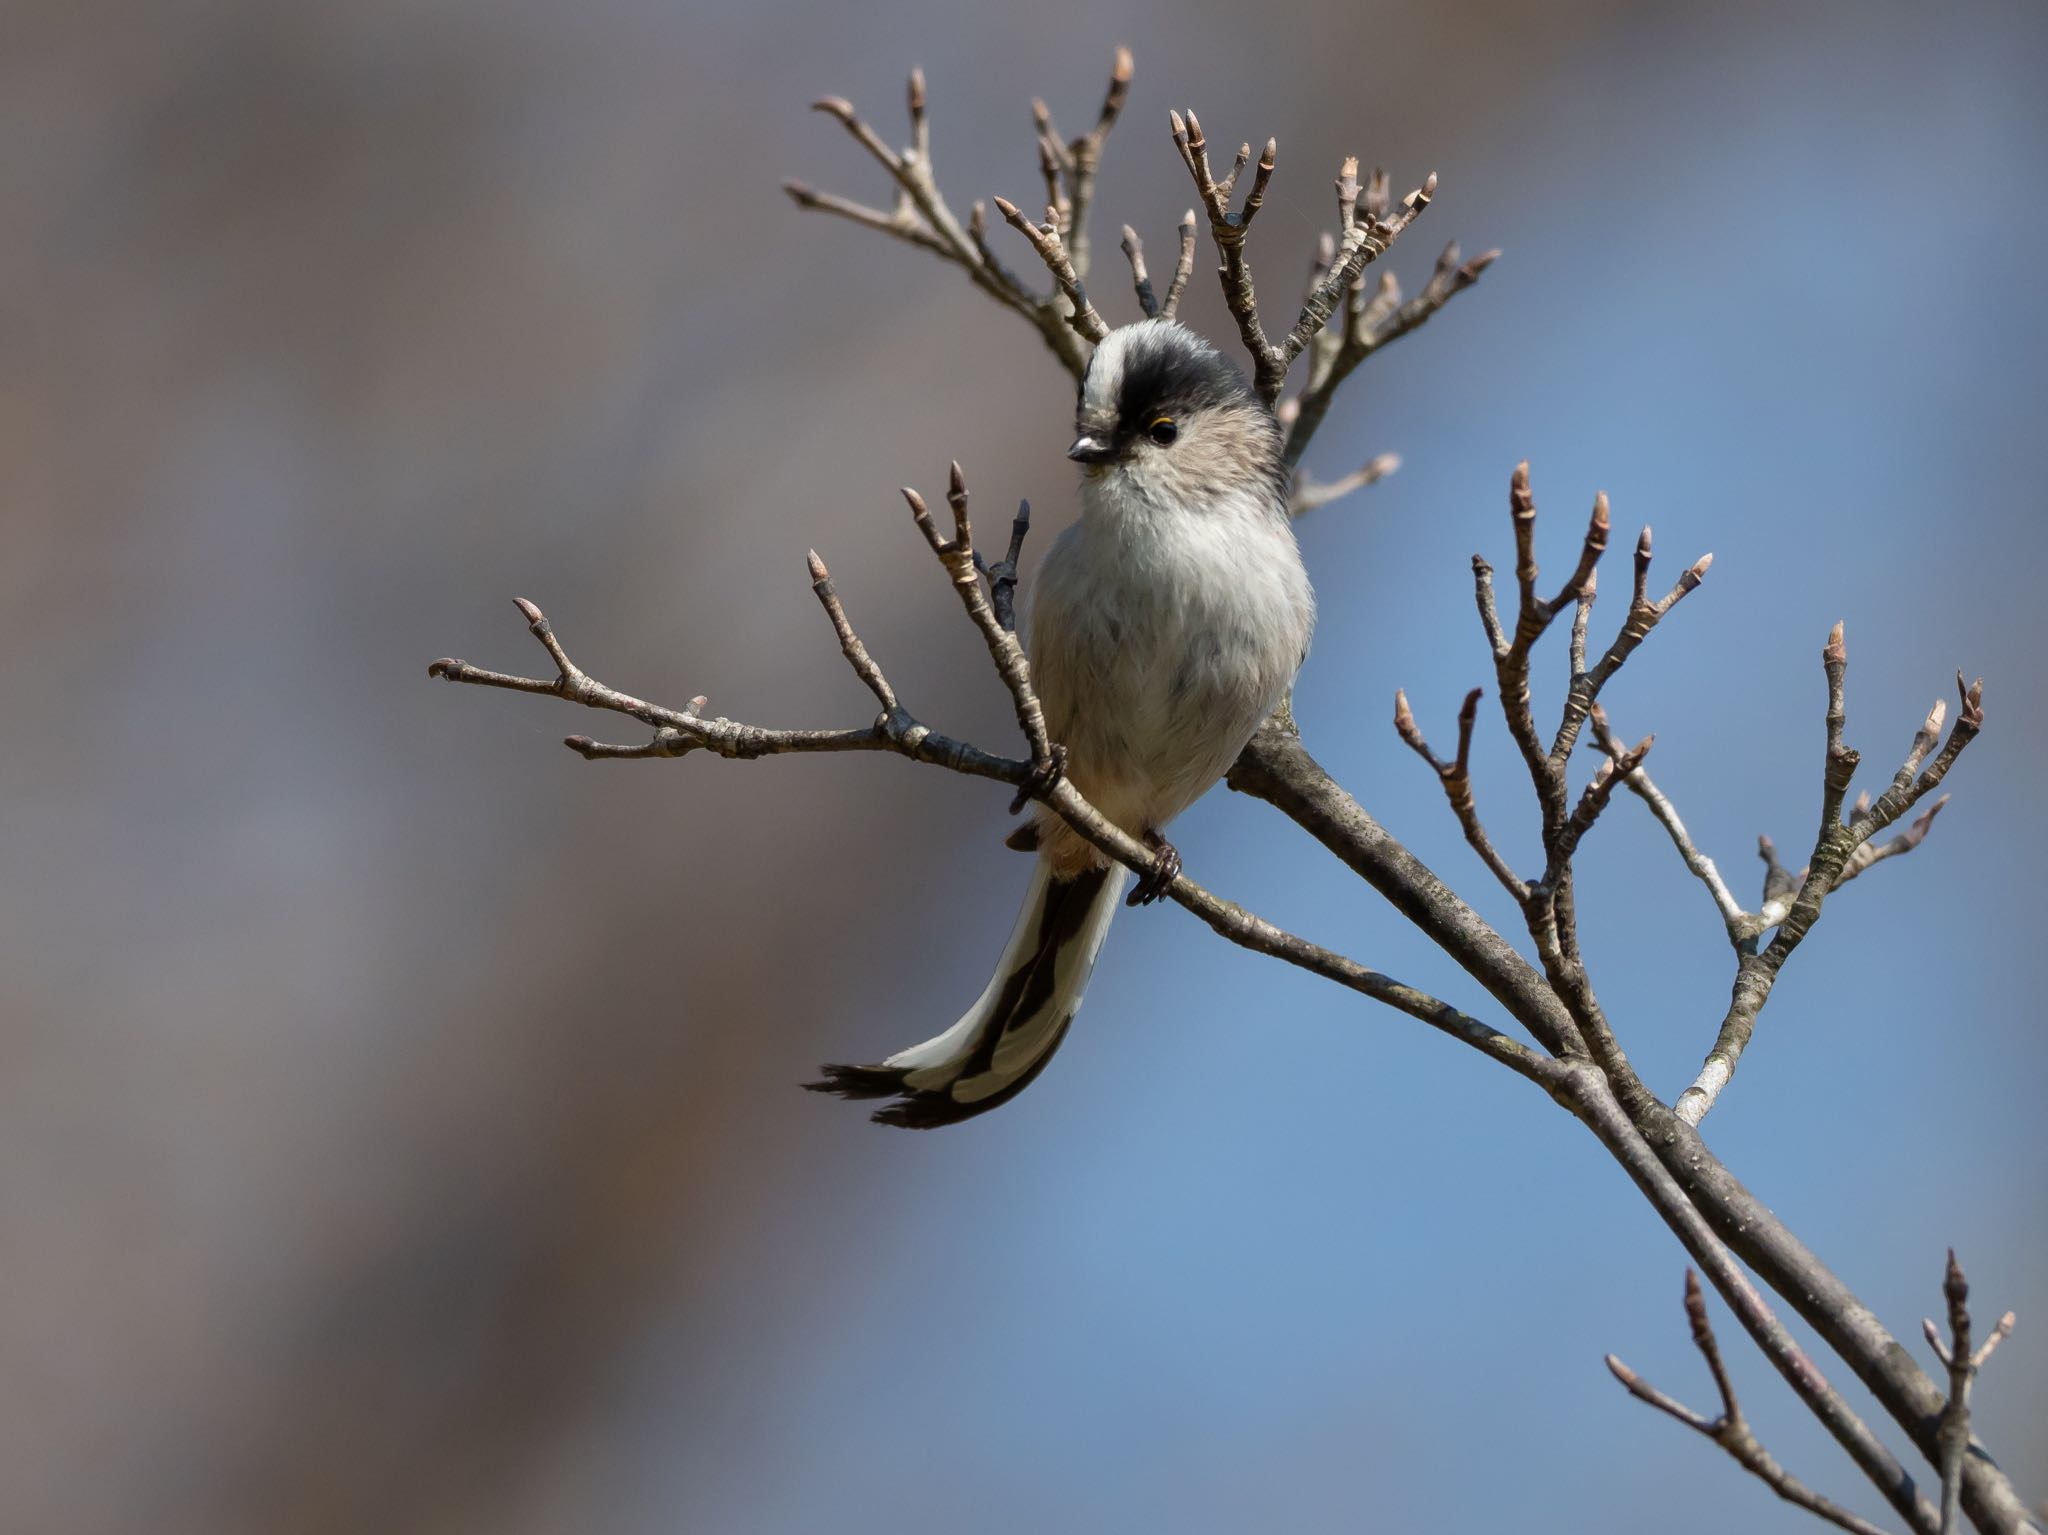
(1002, 1042)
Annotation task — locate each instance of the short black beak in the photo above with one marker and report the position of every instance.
(1090, 449)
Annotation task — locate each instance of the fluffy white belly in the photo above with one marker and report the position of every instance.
(1159, 641)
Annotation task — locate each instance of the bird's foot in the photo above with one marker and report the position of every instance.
(1164, 871)
(1045, 777)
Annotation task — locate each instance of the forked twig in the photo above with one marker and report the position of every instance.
(922, 217)
(1962, 1362)
(1358, 243)
(1457, 781)
(1731, 1431)
(1792, 904)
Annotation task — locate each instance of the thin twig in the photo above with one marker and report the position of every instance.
(1456, 778)
(1731, 1431)
(1592, 801)
(1582, 619)
(1359, 243)
(1868, 853)
(850, 645)
(1077, 161)
(678, 732)
(1002, 576)
(1841, 760)
(1320, 263)
(1309, 495)
(923, 218)
(957, 555)
(1533, 617)
(1834, 847)
(1550, 912)
(1740, 924)
(1952, 1435)
(1141, 281)
(977, 233)
(1227, 229)
(1045, 240)
(1591, 1097)
(1371, 324)
(902, 223)
(1183, 268)
(1643, 616)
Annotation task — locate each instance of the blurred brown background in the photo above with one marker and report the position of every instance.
(397, 1121)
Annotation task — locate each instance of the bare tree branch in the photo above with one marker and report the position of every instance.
(1533, 618)
(1077, 161)
(1370, 323)
(1868, 853)
(1310, 495)
(1592, 801)
(850, 645)
(1834, 846)
(956, 554)
(1069, 325)
(1183, 267)
(678, 732)
(922, 216)
(1002, 576)
(1457, 781)
(1549, 911)
(1731, 1431)
(1593, 1100)
(1045, 240)
(1575, 1083)
(1643, 616)
(1358, 243)
(1738, 1215)
(1740, 924)
(1962, 1363)
(1779, 886)
(1546, 903)
(1277, 768)
(1228, 231)
(977, 232)
(901, 223)
(1141, 280)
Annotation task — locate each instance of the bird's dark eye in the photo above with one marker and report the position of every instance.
(1163, 431)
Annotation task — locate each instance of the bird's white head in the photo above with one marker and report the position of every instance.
(1166, 417)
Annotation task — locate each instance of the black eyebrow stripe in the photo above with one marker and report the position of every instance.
(1160, 379)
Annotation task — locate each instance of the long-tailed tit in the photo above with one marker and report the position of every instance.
(1166, 624)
